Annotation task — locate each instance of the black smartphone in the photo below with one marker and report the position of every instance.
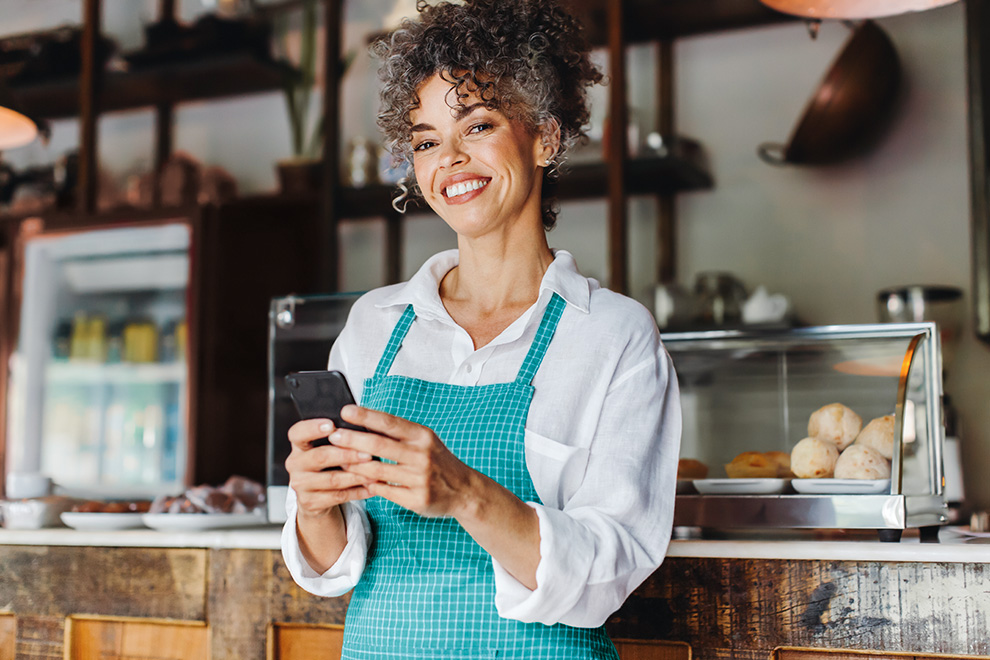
(321, 394)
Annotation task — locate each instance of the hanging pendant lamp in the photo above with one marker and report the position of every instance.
(16, 128)
(851, 9)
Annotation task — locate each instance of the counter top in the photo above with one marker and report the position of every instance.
(953, 547)
(264, 537)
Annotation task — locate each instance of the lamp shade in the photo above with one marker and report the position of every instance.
(16, 128)
(851, 9)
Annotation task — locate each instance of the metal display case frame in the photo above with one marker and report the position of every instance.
(890, 513)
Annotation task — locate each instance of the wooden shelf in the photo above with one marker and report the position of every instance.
(682, 171)
(649, 20)
(228, 74)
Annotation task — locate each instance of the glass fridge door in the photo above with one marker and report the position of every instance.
(98, 379)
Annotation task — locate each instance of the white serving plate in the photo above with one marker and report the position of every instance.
(841, 486)
(183, 522)
(740, 486)
(96, 521)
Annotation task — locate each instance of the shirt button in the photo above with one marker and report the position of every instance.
(467, 368)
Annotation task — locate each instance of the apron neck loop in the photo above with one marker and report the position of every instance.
(395, 342)
(542, 340)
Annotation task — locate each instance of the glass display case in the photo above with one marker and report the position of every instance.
(97, 392)
(301, 331)
(748, 397)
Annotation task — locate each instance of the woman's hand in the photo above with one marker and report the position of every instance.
(428, 479)
(318, 485)
(320, 491)
(424, 477)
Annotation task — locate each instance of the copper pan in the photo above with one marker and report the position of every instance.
(850, 107)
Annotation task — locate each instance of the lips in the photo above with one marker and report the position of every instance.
(462, 187)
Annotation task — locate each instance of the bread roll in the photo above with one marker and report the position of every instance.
(861, 462)
(690, 468)
(782, 462)
(814, 458)
(835, 423)
(751, 465)
(879, 434)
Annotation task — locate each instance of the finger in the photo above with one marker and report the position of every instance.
(310, 484)
(373, 444)
(325, 501)
(391, 473)
(380, 422)
(305, 431)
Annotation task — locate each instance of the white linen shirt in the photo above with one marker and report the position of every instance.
(601, 442)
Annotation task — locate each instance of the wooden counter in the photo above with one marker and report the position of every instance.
(173, 595)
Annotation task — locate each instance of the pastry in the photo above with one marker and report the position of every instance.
(879, 434)
(782, 462)
(861, 462)
(751, 465)
(690, 468)
(814, 458)
(835, 423)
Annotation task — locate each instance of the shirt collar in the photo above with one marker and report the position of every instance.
(422, 291)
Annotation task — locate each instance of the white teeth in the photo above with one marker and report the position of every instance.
(464, 187)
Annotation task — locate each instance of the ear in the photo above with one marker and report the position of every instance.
(549, 144)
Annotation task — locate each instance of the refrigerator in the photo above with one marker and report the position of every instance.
(98, 376)
(134, 345)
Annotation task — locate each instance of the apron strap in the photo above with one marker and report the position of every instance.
(542, 340)
(395, 342)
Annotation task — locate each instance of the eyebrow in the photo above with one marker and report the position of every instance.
(460, 112)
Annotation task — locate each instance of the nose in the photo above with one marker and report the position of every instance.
(452, 153)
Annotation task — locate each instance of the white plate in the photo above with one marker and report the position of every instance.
(740, 486)
(841, 486)
(97, 521)
(966, 531)
(181, 522)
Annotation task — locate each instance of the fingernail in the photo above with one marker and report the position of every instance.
(363, 456)
(335, 437)
(326, 427)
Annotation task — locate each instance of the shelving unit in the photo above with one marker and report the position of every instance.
(213, 78)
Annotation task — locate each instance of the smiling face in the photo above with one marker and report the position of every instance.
(478, 169)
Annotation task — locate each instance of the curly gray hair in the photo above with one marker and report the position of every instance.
(525, 58)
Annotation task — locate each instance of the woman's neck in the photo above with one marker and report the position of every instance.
(495, 274)
(493, 284)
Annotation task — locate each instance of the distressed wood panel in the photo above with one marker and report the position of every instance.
(149, 582)
(825, 654)
(130, 639)
(744, 609)
(8, 636)
(630, 649)
(239, 603)
(291, 604)
(303, 642)
(39, 637)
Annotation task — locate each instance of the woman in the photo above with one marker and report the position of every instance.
(528, 418)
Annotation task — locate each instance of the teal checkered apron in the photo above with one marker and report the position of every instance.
(428, 590)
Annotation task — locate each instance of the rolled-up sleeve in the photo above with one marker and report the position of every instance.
(346, 571)
(615, 524)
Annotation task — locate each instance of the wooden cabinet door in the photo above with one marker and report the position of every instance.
(634, 649)
(135, 639)
(293, 641)
(785, 653)
(8, 636)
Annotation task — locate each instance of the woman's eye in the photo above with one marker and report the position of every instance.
(423, 146)
(479, 128)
